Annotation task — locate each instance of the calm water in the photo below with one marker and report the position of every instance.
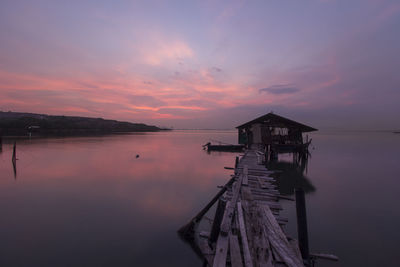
(89, 201)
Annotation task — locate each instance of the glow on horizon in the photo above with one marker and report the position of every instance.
(203, 64)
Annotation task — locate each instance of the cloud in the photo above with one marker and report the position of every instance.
(161, 51)
(216, 69)
(146, 100)
(198, 102)
(279, 89)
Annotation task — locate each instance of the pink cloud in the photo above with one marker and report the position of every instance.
(161, 51)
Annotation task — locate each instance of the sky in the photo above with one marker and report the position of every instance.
(204, 64)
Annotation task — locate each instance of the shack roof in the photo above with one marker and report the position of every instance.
(274, 120)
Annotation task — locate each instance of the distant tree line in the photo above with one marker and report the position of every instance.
(15, 123)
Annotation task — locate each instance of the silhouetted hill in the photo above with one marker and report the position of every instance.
(17, 123)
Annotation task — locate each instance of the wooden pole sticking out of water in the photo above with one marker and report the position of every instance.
(302, 231)
(14, 155)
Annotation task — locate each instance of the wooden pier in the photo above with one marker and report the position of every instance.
(246, 228)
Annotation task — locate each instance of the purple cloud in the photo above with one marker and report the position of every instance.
(279, 89)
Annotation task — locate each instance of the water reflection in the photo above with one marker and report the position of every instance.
(290, 172)
(14, 160)
(90, 201)
(14, 163)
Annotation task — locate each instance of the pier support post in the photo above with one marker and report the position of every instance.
(216, 226)
(302, 231)
(236, 163)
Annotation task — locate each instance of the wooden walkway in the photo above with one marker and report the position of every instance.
(248, 232)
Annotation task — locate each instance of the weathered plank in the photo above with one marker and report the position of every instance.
(234, 251)
(262, 176)
(221, 251)
(246, 252)
(278, 239)
(258, 244)
(230, 208)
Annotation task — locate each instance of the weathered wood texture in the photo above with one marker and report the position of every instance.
(250, 230)
(234, 251)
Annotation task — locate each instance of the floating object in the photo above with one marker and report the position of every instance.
(223, 148)
(137, 156)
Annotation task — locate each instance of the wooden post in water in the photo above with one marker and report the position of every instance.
(14, 155)
(302, 231)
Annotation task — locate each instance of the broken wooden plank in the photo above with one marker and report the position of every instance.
(230, 208)
(278, 239)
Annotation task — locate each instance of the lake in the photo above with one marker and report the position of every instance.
(91, 201)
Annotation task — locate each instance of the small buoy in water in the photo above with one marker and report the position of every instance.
(137, 155)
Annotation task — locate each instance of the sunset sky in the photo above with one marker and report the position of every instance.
(204, 64)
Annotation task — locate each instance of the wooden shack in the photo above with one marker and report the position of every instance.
(274, 132)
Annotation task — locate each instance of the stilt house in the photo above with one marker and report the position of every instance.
(275, 132)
